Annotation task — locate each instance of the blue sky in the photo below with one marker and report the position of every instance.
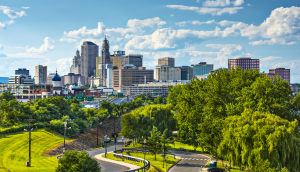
(49, 32)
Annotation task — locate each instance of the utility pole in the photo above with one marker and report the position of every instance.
(29, 130)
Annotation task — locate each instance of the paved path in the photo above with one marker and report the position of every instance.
(130, 166)
(191, 162)
(108, 166)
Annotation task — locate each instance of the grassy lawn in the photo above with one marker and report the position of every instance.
(185, 146)
(136, 145)
(157, 164)
(14, 151)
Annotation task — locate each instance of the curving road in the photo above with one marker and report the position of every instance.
(191, 162)
(106, 166)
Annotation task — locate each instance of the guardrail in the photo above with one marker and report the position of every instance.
(132, 158)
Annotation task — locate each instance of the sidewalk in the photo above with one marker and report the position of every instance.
(131, 166)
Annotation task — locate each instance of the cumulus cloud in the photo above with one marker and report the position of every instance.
(238, 2)
(46, 47)
(25, 8)
(222, 3)
(205, 10)
(26, 55)
(155, 22)
(218, 58)
(282, 27)
(1, 47)
(3, 25)
(11, 13)
(227, 23)
(70, 40)
(84, 32)
(195, 22)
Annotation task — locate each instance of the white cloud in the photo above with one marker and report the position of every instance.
(25, 8)
(172, 15)
(11, 13)
(249, 5)
(70, 40)
(219, 58)
(2, 25)
(1, 47)
(26, 55)
(195, 22)
(155, 22)
(84, 32)
(46, 47)
(205, 10)
(282, 26)
(226, 23)
(216, 3)
(238, 2)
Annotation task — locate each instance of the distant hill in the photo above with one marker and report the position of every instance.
(4, 80)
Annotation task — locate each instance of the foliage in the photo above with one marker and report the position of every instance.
(259, 138)
(75, 83)
(14, 150)
(138, 122)
(153, 143)
(77, 161)
(7, 96)
(174, 92)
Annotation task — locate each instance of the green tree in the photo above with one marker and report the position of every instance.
(256, 137)
(153, 143)
(174, 92)
(75, 83)
(7, 96)
(165, 142)
(73, 161)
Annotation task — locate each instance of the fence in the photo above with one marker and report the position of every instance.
(131, 158)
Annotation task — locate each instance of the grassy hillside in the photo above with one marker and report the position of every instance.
(14, 151)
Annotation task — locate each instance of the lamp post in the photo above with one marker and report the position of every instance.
(105, 145)
(115, 141)
(145, 154)
(65, 125)
(122, 148)
(174, 150)
(98, 129)
(29, 130)
(166, 164)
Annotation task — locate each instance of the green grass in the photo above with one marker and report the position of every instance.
(14, 151)
(136, 145)
(157, 164)
(185, 146)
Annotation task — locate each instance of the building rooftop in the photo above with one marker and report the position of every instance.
(88, 43)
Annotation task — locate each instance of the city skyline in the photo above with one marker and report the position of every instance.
(191, 32)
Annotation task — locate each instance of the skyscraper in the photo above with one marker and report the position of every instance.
(202, 68)
(169, 61)
(89, 52)
(135, 59)
(75, 67)
(22, 71)
(40, 74)
(105, 62)
(282, 72)
(244, 63)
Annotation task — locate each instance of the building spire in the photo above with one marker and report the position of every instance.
(56, 70)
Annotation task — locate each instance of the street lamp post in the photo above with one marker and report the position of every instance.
(105, 145)
(115, 142)
(174, 150)
(98, 129)
(122, 148)
(166, 164)
(144, 154)
(29, 130)
(65, 125)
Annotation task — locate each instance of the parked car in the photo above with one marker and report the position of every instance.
(107, 140)
(215, 169)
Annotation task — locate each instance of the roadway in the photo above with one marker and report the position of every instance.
(106, 166)
(191, 162)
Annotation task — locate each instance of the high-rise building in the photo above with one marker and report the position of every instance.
(40, 74)
(128, 75)
(49, 78)
(120, 53)
(116, 60)
(135, 59)
(104, 62)
(202, 68)
(187, 72)
(244, 63)
(72, 78)
(20, 79)
(169, 61)
(282, 72)
(89, 52)
(75, 67)
(22, 71)
(164, 72)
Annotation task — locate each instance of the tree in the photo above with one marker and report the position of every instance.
(174, 92)
(260, 137)
(165, 142)
(75, 83)
(153, 143)
(77, 161)
(7, 96)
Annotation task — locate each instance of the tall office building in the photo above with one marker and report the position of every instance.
(244, 63)
(75, 67)
(187, 72)
(22, 71)
(120, 53)
(164, 72)
(128, 75)
(117, 61)
(202, 68)
(40, 74)
(135, 59)
(105, 62)
(89, 52)
(282, 72)
(169, 61)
